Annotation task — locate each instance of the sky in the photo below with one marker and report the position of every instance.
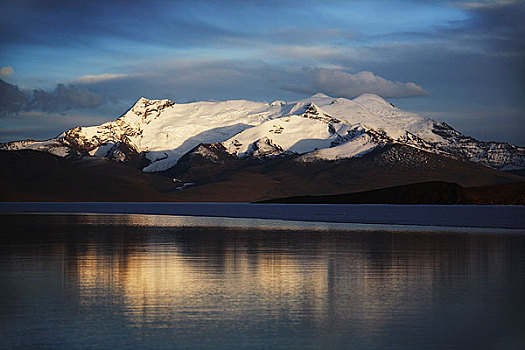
(72, 63)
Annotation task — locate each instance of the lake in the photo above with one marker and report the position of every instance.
(146, 281)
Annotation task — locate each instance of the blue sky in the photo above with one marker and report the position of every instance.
(460, 62)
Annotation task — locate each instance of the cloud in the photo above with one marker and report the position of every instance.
(473, 121)
(338, 83)
(494, 27)
(93, 79)
(307, 53)
(6, 72)
(184, 79)
(65, 97)
(39, 125)
(170, 23)
(61, 99)
(487, 3)
(12, 100)
(195, 79)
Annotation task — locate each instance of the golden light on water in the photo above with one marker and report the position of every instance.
(162, 277)
(169, 279)
(210, 274)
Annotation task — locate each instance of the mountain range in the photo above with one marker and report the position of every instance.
(248, 151)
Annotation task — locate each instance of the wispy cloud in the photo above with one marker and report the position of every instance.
(487, 3)
(308, 53)
(93, 79)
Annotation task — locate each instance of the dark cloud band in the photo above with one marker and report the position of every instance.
(61, 99)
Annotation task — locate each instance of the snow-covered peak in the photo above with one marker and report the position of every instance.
(311, 108)
(164, 131)
(277, 103)
(320, 95)
(144, 103)
(142, 100)
(371, 99)
(313, 112)
(319, 99)
(306, 108)
(371, 111)
(296, 133)
(145, 110)
(332, 128)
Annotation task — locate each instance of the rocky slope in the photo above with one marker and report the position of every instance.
(210, 173)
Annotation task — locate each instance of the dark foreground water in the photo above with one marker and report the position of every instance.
(138, 281)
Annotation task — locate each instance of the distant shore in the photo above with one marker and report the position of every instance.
(502, 217)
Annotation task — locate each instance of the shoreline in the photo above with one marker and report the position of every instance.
(429, 216)
(178, 221)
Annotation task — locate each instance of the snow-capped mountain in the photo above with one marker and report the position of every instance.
(317, 128)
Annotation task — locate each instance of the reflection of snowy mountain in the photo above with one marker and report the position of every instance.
(319, 128)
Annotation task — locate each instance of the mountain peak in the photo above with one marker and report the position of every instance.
(314, 112)
(277, 103)
(368, 99)
(320, 95)
(145, 106)
(310, 108)
(163, 131)
(144, 102)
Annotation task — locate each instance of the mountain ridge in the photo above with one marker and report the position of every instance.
(28, 175)
(432, 192)
(157, 133)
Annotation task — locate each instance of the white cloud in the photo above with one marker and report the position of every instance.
(306, 53)
(6, 72)
(338, 83)
(487, 3)
(93, 79)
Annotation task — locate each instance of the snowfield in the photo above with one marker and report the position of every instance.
(166, 130)
(354, 148)
(319, 127)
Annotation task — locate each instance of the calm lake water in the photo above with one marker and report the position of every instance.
(144, 281)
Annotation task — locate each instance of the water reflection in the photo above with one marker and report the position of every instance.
(152, 283)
